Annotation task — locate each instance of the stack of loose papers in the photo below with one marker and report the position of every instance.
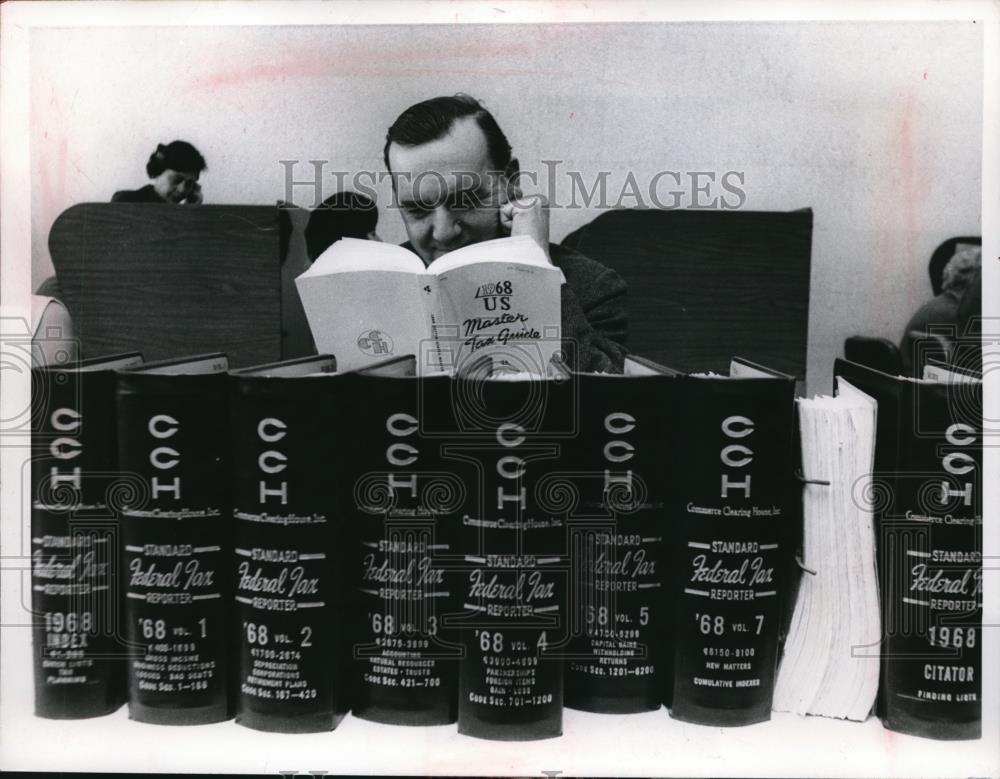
(830, 665)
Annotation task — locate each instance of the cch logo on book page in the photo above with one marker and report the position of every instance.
(376, 343)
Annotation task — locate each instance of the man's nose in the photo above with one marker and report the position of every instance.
(446, 226)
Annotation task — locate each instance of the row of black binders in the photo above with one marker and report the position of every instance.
(286, 543)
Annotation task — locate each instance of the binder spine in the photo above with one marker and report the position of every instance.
(514, 612)
(731, 547)
(514, 604)
(79, 667)
(619, 660)
(403, 506)
(174, 435)
(927, 501)
(931, 568)
(288, 557)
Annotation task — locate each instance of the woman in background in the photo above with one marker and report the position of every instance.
(174, 169)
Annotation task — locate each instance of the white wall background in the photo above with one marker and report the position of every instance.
(875, 126)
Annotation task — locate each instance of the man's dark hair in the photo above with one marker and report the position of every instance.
(344, 215)
(432, 119)
(177, 155)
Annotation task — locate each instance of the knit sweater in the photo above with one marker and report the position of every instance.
(594, 312)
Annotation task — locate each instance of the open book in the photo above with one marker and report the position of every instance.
(367, 301)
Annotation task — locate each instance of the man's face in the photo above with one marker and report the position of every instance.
(447, 192)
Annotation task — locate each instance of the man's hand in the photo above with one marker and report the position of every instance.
(527, 215)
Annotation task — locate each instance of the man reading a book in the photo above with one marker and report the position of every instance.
(455, 182)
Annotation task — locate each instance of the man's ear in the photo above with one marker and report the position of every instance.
(511, 185)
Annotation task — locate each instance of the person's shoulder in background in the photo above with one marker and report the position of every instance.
(942, 312)
(146, 194)
(939, 310)
(968, 351)
(970, 307)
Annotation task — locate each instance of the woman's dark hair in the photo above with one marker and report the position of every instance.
(344, 215)
(432, 119)
(178, 155)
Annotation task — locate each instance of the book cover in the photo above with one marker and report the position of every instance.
(927, 500)
(174, 435)
(290, 550)
(79, 655)
(733, 515)
(496, 298)
(402, 507)
(618, 660)
(513, 622)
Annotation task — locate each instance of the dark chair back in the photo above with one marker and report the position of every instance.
(170, 280)
(705, 285)
(878, 353)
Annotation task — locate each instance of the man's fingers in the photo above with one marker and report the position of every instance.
(506, 217)
(526, 202)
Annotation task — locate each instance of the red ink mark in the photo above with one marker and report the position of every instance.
(257, 72)
(890, 741)
(898, 204)
(51, 163)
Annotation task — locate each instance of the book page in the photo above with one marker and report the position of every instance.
(117, 363)
(211, 363)
(943, 374)
(352, 254)
(303, 366)
(394, 366)
(640, 366)
(365, 316)
(830, 665)
(507, 306)
(741, 368)
(518, 247)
